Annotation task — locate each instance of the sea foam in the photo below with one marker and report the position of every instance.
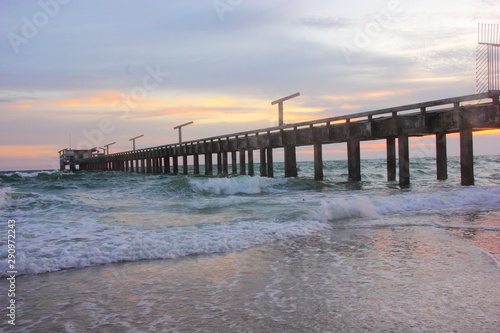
(373, 206)
(93, 244)
(236, 185)
(5, 194)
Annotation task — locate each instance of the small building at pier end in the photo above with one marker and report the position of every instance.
(73, 157)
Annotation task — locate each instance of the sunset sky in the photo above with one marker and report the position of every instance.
(95, 72)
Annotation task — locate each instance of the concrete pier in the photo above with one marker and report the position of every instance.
(463, 115)
(441, 156)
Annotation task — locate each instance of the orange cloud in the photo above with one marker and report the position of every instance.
(107, 98)
(370, 95)
(28, 151)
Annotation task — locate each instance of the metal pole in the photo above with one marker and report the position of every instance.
(107, 147)
(280, 106)
(133, 140)
(180, 129)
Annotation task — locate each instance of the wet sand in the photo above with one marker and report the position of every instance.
(354, 278)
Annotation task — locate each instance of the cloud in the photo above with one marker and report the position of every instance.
(324, 22)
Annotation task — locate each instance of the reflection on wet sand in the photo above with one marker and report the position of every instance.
(399, 279)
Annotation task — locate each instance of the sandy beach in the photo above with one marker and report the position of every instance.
(355, 278)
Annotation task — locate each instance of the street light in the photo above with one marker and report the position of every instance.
(133, 140)
(180, 129)
(280, 106)
(107, 147)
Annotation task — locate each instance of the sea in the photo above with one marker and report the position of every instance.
(131, 252)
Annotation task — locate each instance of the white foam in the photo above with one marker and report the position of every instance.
(90, 243)
(372, 206)
(344, 208)
(237, 185)
(5, 194)
(31, 174)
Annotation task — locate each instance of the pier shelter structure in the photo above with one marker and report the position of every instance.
(73, 158)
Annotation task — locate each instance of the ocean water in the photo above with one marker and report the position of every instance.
(123, 252)
(70, 220)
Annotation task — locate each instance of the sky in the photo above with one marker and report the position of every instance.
(87, 73)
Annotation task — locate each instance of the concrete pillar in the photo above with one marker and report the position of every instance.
(404, 160)
(441, 156)
(225, 164)
(290, 161)
(166, 161)
(318, 161)
(184, 164)
(196, 162)
(208, 164)
(251, 169)
(155, 165)
(391, 158)
(175, 164)
(219, 164)
(354, 159)
(263, 164)
(243, 164)
(234, 165)
(466, 156)
(270, 166)
(149, 164)
(158, 165)
(466, 147)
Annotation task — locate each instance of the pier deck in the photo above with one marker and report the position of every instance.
(464, 115)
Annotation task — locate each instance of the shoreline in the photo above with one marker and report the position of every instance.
(401, 279)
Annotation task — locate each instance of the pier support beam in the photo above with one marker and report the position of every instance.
(391, 159)
(404, 160)
(156, 166)
(290, 161)
(466, 156)
(219, 164)
(234, 165)
(175, 165)
(225, 164)
(270, 166)
(243, 170)
(159, 165)
(184, 164)
(354, 159)
(251, 169)
(318, 161)
(166, 161)
(466, 147)
(441, 156)
(263, 165)
(208, 164)
(196, 164)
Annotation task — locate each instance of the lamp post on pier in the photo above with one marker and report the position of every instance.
(133, 140)
(107, 147)
(280, 106)
(180, 129)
